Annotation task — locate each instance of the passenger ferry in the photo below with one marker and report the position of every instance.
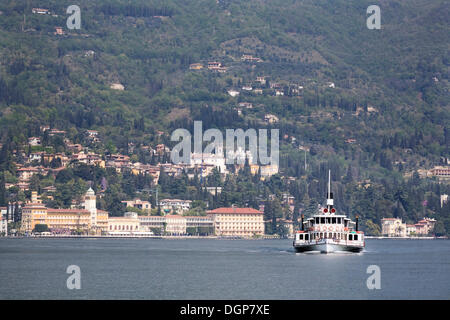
(328, 231)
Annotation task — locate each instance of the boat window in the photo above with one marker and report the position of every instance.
(327, 220)
(355, 237)
(306, 236)
(349, 237)
(300, 236)
(339, 220)
(333, 220)
(322, 220)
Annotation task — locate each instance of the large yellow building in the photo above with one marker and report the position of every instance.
(237, 222)
(33, 214)
(88, 220)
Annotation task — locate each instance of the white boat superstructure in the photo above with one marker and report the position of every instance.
(329, 232)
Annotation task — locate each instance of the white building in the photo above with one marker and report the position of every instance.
(239, 156)
(34, 141)
(139, 204)
(270, 118)
(393, 227)
(3, 222)
(176, 224)
(175, 205)
(233, 93)
(444, 199)
(40, 11)
(212, 159)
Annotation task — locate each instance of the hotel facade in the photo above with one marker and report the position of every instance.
(237, 222)
(87, 220)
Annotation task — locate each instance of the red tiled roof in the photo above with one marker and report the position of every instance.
(33, 205)
(174, 216)
(235, 211)
(28, 169)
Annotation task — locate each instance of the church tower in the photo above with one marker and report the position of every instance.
(90, 204)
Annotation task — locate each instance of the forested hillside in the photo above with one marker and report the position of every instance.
(372, 105)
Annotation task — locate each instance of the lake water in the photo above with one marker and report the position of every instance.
(219, 269)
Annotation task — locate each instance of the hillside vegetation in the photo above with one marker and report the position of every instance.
(390, 92)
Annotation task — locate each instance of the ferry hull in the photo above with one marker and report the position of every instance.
(327, 248)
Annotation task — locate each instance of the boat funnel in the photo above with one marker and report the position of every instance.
(329, 195)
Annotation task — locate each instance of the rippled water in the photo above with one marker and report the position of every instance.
(219, 269)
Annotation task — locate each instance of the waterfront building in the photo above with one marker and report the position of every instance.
(3, 223)
(88, 219)
(393, 227)
(411, 230)
(175, 225)
(149, 223)
(205, 222)
(61, 221)
(32, 214)
(128, 224)
(425, 226)
(237, 222)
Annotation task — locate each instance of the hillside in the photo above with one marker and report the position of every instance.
(372, 104)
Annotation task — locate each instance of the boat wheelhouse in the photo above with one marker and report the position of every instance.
(328, 232)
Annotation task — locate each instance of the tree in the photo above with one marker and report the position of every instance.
(3, 201)
(372, 228)
(272, 212)
(40, 228)
(439, 229)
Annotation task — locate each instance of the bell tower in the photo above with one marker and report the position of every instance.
(90, 204)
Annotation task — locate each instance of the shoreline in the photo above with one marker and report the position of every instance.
(406, 238)
(198, 237)
(137, 237)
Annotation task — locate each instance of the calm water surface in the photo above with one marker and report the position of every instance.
(219, 269)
